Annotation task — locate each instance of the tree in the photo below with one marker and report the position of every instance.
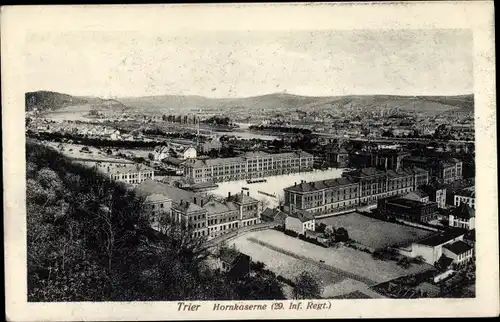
(404, 262)
(151, 156)
(307, 287)
(341, 235)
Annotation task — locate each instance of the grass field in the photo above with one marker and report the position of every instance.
(340, 263)
(375, 233)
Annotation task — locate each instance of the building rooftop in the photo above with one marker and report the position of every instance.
(186, 206)
(174, 161)
(320, 185)
(403, 202)
(441, 238)
(241, 198)
(464, 211)
(458, 247)
(229, 255)
(374, 172)
(150, 187)
(467, 192)
(301, 215)
(214, 207)
(124, 168)
(416, 195)
(198, 163)
(471, 235)
(156, 197)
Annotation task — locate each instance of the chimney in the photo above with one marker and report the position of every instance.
(295, 184)
(248, 193)
(229, 194)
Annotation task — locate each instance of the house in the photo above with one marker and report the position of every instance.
(465, 196)
(436, 193)
(221, 217)
(249, 213)
(161, 153)
(300, 221)
(133, 174)
(445, 171)
(462, 216)
(160, 200)
(407, 209)
(190, 216)
(459, 251)
(273, 215)
(234, 263)
(188, 153)
(431, 248)
(210, 145)
(338, 157)
(158, 205)
(388, 159)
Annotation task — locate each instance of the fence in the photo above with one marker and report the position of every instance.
(416, 225)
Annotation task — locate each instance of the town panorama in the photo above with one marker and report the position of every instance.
(250, 166)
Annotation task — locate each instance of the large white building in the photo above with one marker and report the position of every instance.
(250, 165)
(432, 248)
(129, 173)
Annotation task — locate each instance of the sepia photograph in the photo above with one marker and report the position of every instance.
(298, 167)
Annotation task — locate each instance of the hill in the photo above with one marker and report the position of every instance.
(281, 102)
(52, 101)
(88, 239)
(49, 101)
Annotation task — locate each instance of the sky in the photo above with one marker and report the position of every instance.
(250, 63)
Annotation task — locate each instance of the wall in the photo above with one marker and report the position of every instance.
(430, 254)
(292, 223)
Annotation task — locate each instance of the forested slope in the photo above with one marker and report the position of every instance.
(88, 240)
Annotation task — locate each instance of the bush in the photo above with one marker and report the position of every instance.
(290, 233)
(285, 280)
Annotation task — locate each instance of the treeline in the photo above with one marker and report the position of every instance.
(97, 142)
(172, 135)
(219, 121)
(89, 240)
(181, 119)
(282, 129)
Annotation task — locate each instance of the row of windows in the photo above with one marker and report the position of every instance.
(196, 218)
(199, 233)
(221, 220)
(197, 225)
(465, 255)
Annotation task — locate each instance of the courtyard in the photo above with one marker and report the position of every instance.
(375, 233)
(274, 185)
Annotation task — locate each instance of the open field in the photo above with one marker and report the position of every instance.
(288, 256)
(275, 184)
(72, 151)
(375, 233)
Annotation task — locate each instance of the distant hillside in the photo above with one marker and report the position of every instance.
(49, 101)
(287, 102)
(52, 101)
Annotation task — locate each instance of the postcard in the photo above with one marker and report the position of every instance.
(249, 161)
